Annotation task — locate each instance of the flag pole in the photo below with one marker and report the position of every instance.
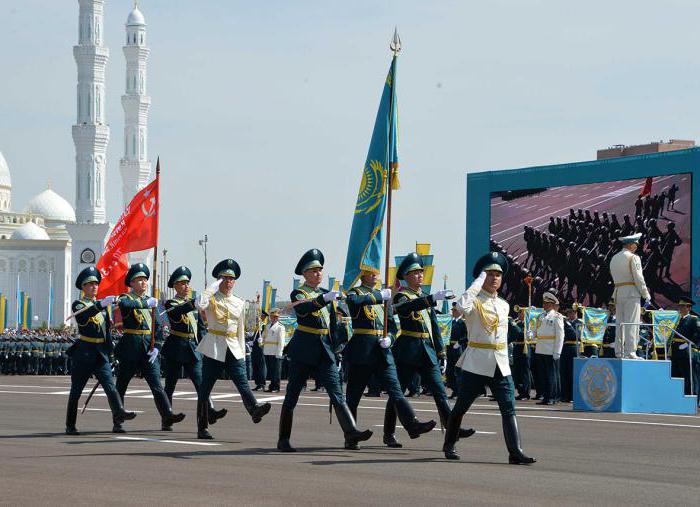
(155, 258)
(395, 47)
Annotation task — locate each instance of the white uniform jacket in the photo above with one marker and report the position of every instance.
(273, 340)
(487, 348)
(626, 271)
(549, 331)
(226, 326)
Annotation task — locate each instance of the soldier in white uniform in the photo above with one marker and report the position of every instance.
(549, 332)
(273, 344)
(223, 346)
(485, 361)
(626, 271)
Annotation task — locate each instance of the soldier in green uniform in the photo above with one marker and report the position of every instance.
(90, 353)
(568, 353)
(458, 342)
(26, 354)
(688, 326)
(50, 353)
(369, 352)
(312, 349)
(419, 348)
(608, 346)
(3, 353)
(134, 351)
(522, 358)
(37, 354)
(180, 348)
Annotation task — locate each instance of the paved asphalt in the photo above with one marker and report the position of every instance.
(583, 458)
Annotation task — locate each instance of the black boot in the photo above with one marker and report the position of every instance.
(512, 438)
(258, 411)
(451, 436)
(444, 413)
(71, 416)
(285, 431)
(347, 423)
(203, 420)
(168, 418)
(119, 415)
(118, 428)
(213, 414)
(389, 438)
(352, 445)
(410, 422)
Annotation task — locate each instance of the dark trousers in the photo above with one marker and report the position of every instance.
(522, 366)
(193, 371)
(472, 385)
(681, 368)
(566, 372)
(82, 370)
(327, 375)
(235, 368)
(259, 369)
(150, 372)
(274, 370)
(453, 355)
(545, 371)
(359, 376)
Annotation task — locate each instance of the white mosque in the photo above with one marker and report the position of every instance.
(43, 247)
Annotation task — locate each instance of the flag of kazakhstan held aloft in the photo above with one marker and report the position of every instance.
(366, 236)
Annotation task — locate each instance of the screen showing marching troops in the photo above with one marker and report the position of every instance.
(564, 237)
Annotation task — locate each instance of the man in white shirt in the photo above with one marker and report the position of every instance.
(630, 287)
(223, 347)
(273, 344)
(549, 335)
(485, 361)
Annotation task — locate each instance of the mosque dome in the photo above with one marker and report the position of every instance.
(51, 206)
(135, 17)
(30, 231)
(5, 179)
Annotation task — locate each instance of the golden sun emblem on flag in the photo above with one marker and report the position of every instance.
(665, 328)
(372, 188)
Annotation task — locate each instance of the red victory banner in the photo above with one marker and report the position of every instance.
(646, 188)
(136, 230)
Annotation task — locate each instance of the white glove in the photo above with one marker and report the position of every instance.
(152, 355)
(455, 346)
(443, 367)
(647, 302)
(333, 295)
(386, 294)
(443, 294)
(280, 356)
(479, 282)
(152, 302)
(556, 356)
(107, 301)
(385, 342)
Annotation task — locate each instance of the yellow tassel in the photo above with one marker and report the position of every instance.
(395, 184)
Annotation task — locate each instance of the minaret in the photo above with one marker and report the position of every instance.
(134, 166)
(90, 133)
(91, 136)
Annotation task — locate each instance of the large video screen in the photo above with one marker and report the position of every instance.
(564, 237)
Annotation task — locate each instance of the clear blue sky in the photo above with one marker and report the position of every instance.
(262, 111)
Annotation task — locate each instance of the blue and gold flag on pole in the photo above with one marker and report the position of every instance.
(530, 323)
(595, 322)
(664, 321)
(366, 237)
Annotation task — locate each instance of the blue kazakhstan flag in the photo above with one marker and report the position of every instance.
(366, 236)
(665, 321)
(595, 321)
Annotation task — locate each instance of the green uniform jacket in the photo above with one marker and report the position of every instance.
(184, 320)
(93, 324)
(417, 316)
(367, 313)
(315, 335)
(688, 326)
(136, 319)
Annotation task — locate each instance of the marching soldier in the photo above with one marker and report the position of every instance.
(369, 352)
(549, 332)
(568, 353)
(312, 348)
(223, 346)
(273, 346)
(485, 362)
(688, 326)
(90, 352)
(134, 351)
(626, 271)
(180, 348)
(458, 342)
(419, 348)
